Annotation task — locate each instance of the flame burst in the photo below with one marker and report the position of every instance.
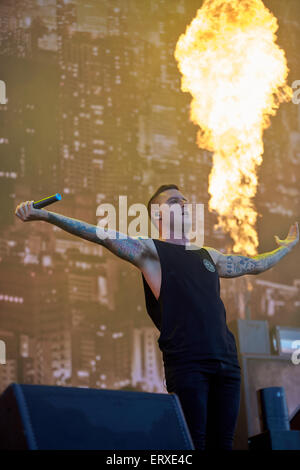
(236, 74)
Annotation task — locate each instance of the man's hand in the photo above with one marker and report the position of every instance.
(26, 212)
(291, 239)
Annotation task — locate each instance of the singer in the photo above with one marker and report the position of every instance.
(182, 292)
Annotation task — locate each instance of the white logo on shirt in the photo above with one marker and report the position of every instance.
(208, 265)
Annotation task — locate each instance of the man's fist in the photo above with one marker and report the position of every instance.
(26, 212)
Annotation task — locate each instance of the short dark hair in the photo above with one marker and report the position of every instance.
(161, 189)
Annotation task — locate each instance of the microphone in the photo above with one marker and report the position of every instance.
(46, 201)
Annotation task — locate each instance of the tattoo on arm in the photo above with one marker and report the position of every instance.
(129, 249)
(267, 260)
(74, 226)
(238, 265)
(235, 265)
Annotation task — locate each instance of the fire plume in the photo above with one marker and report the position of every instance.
(236, 73)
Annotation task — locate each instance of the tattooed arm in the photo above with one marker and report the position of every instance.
(237, 265)
(130, 249)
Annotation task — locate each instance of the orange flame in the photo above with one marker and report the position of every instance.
(236, 74)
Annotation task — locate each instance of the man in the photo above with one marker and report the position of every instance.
(182, 292)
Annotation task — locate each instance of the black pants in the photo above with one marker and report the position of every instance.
(210, 400)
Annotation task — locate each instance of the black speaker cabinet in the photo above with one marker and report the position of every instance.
(275, 440)
(295, 419)
(260, 371)
(272, 409)
(52, 417)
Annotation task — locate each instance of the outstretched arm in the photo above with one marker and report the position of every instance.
(130, 249)
(238, 265)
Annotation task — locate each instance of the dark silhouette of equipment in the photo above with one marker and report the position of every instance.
(295, 419)
(273, 410)
(52, 417)
(275, 425)
(261, 367)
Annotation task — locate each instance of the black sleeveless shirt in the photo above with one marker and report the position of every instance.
(189, 312)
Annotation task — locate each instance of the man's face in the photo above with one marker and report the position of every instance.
(181, 216)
